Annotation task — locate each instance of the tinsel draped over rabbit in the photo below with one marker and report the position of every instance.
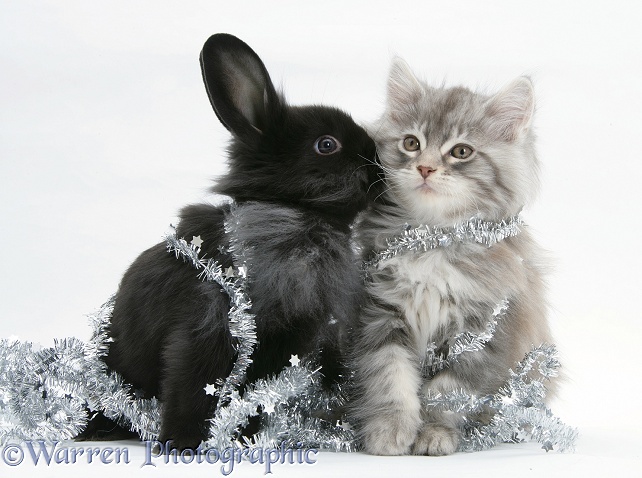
(298, 175)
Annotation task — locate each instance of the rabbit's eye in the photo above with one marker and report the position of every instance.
(327, 145)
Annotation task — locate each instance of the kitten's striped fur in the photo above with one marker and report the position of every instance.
(414, 299)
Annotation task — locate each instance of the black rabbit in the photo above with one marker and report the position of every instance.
(299, 175)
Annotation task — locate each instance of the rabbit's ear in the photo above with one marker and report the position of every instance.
(238, 85)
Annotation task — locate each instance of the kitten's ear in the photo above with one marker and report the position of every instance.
(403, 86)
(510, 111)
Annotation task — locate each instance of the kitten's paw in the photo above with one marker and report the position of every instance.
(436, 440)
(391, 437)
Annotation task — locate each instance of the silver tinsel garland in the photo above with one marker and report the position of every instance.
(291, 397)
(463, 342)
(45, 394)
(242, 324)
(518, 407)
(425, 238)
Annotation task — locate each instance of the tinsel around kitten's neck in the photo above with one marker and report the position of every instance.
(425, 238)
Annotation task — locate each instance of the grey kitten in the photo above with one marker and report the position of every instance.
(449, 154)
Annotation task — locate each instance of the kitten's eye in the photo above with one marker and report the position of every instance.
(461, 151)
(327, 145)
(411, 143)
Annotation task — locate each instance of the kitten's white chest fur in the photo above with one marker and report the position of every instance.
(427, 287)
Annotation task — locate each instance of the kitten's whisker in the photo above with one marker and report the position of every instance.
(369, 160)
(377, 181)
(382, 193)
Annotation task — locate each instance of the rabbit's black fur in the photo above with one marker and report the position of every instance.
(294, 208)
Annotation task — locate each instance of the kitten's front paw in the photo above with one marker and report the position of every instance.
(436, 440)
(391, 437)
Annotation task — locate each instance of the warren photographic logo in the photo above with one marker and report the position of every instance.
(41, 453)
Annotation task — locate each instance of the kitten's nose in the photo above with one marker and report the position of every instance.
(425, 171)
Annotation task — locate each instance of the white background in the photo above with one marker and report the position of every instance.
(106, 131)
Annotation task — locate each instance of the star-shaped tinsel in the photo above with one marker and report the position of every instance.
(196, 241)
(294, 360)
(344, 425)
